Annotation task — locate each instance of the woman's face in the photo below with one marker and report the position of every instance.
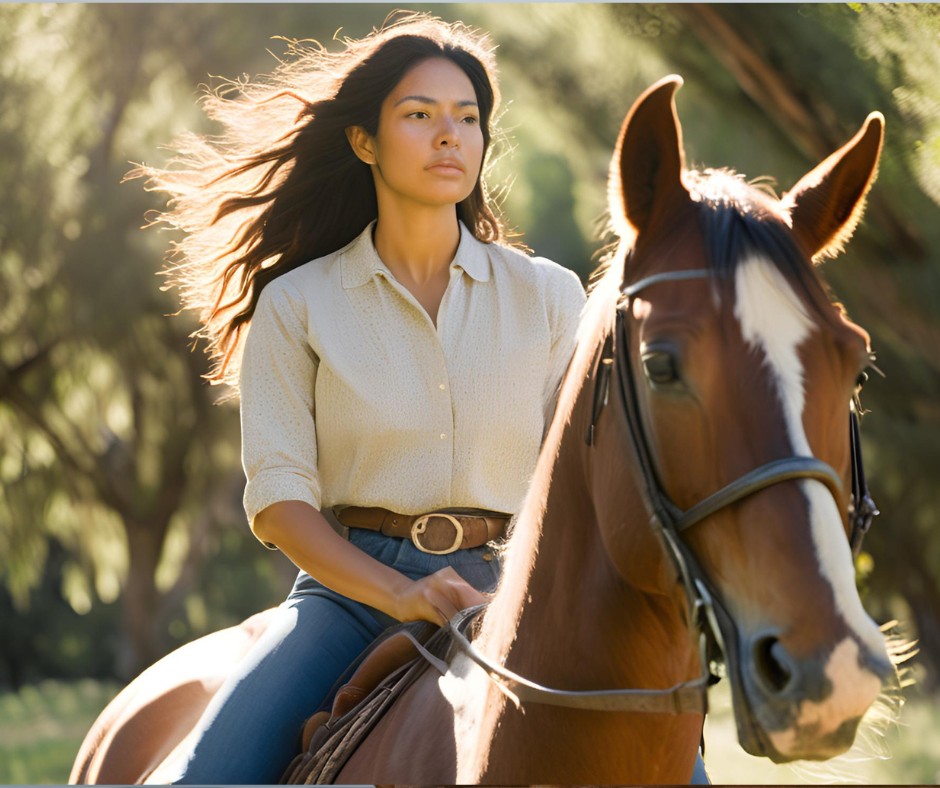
(429, 145)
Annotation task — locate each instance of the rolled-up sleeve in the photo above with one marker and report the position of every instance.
(276, 383)
(566, 302)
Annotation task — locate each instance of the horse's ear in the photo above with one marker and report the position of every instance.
(828, 202)
(648, 158)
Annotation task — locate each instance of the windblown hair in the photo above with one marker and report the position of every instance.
(281, 185)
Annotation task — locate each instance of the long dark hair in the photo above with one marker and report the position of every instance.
(280, 187)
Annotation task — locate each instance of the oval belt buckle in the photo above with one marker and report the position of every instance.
(421, 525)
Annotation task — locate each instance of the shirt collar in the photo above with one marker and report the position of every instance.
(360, 261)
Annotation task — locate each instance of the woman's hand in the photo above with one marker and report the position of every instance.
(436, 598)
(304, 535)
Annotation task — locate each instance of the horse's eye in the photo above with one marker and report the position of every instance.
(661, 367)
(861, 380)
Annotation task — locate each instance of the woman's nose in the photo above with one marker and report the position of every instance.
(447, 135)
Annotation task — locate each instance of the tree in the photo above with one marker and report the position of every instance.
(120, 474)
(775, 88)
(118, 469)
(109, 432)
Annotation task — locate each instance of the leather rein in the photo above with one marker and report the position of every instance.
(716, 631)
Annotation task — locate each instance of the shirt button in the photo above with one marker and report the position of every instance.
(443, 435)
(442, 387)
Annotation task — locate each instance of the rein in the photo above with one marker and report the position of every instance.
(715, 628)
(686, 697)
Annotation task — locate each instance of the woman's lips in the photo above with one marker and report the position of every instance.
(447, 167)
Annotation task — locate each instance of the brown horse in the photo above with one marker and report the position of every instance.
(696, 477)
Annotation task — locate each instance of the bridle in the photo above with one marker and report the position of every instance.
(716, 630)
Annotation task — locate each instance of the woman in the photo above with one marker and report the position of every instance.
(400, 361)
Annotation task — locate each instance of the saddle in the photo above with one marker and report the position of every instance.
(362, 695)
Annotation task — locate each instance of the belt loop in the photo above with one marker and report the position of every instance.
(389, 523)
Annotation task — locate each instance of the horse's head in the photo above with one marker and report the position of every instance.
(736, 364)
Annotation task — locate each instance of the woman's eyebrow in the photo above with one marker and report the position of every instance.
(429, 100)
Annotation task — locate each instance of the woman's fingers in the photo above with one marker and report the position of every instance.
(444, 615)
(439, 597)
(447, 590)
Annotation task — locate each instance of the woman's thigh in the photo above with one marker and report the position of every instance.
(249, 730)
(248, 733)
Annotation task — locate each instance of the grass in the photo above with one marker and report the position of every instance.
(42, 726)
(900, 753)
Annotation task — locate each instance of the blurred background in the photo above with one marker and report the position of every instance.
(121, 529)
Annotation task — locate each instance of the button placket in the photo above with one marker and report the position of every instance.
(439, 338)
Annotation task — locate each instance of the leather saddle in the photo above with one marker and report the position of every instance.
(361, 696)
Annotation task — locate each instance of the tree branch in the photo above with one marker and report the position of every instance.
(815, 136)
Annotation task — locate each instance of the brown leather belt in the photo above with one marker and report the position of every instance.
(438, 533)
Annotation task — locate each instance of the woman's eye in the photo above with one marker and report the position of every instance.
(418, 114)
(471, 119)
(661, 368)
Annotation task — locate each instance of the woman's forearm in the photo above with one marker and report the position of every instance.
(305, 536)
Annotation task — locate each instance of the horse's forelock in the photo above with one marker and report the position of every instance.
(741, 220)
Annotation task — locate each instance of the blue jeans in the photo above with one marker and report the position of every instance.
(249, 731)
(699, 775)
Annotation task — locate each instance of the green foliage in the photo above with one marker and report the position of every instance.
(108, 433)
(50, 639)
(111, 452)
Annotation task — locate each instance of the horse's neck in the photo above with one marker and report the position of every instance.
(575, 624)
(579, 618)
(558, 576)
(571, 590)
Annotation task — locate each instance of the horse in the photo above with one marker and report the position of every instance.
(697, 497)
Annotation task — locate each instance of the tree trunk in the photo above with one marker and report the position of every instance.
(142, 644)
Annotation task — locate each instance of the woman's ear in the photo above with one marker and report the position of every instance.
(361, 142)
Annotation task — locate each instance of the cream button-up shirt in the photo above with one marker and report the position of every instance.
(350, 395)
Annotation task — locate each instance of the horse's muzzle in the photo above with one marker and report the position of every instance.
(803, 709)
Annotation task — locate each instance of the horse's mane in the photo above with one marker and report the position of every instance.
(739, 219)
(520, 550)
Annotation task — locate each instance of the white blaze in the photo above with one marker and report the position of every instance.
(774, 321)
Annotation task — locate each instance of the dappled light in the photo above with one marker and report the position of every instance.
(121, 520)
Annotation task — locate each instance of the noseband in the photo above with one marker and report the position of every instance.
(716, 630)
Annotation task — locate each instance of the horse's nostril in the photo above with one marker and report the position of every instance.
(772, 665)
